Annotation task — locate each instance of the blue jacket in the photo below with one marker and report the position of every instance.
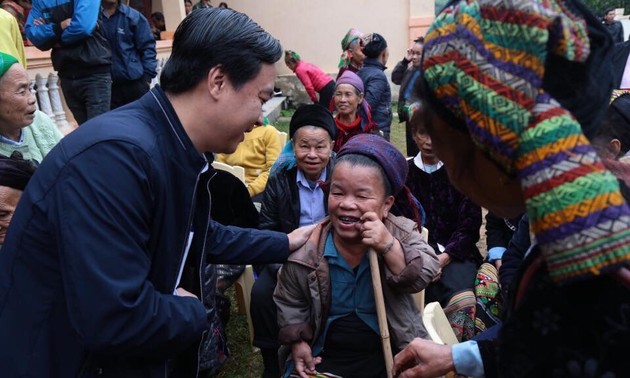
(81, 49)
(96, 246)
(132, 44)
(377, 92)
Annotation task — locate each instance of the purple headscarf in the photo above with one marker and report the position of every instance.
(349, 77)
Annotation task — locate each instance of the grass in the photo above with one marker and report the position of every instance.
(244, 362)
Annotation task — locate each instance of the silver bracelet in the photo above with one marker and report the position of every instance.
(389, 247)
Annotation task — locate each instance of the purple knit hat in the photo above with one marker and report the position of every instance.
(384, 153)
(349, 77)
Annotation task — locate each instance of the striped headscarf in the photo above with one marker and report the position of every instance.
(484, 64)
(351, 36)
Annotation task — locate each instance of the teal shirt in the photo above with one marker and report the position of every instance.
(37, 139)
(351, 292)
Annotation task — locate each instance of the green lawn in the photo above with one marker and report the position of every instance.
(244, 363)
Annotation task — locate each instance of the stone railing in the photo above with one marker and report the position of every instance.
(45, 83)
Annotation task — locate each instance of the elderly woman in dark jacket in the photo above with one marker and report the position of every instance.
(293, 198)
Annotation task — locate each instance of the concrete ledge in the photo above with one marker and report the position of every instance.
(272, 108)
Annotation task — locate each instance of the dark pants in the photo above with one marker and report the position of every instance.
(87, 96)
(265, 319)
(263, 308)
(326, 94)
(456, 277)
(124, 92)
(412, 148)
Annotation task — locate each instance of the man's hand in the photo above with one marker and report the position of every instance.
(39, 22)
(303, 359)
(298, 237)
(423, 359)
(65, 23)
(409, 54)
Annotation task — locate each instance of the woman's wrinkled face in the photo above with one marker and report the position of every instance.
(347, 99)
(9, 199)
(357, 55)
(470, 170)
(312, 146)
(354, 191)
(17, 102)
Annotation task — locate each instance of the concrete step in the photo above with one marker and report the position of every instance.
(272, 108)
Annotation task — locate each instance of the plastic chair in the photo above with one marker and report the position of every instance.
(283, 137)
(237, 171)
(243, 287)
(419, 297)
(437, 324)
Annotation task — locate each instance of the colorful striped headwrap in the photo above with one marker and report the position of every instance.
(352, 35)
(484, 62)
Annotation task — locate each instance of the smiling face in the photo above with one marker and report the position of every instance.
(312, 146)
(17, 103)
(347, 99)
(354, 191)
(239, 108)
(9, 199)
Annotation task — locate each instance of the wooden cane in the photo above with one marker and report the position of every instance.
(380, 312)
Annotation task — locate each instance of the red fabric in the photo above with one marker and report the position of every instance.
(312, 77)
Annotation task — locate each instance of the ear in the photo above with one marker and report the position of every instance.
(216, 81)
(387, 205)
(361, 97)
(615, 147)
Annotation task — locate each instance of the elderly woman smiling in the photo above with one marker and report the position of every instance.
(325, 298)
(293, 197)
(353, 112)
(22, 127)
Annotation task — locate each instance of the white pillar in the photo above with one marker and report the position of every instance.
(42, 95)
(174, 12)
(57, 106)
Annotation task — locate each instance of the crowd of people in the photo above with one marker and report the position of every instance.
(119, 239)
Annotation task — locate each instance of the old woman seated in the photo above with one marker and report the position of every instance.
(325, 298)
(23, 128)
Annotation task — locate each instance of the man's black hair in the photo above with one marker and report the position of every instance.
(158, 16)
(214, 37)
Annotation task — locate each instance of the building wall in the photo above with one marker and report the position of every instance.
(315, 28)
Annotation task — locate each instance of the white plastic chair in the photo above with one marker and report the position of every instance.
(437, 324)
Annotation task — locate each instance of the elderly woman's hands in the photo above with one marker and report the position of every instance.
(303, 359)
(374, 233)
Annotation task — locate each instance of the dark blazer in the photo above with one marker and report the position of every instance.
(93, 256)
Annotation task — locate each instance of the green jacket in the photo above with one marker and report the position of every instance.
(39, 138)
